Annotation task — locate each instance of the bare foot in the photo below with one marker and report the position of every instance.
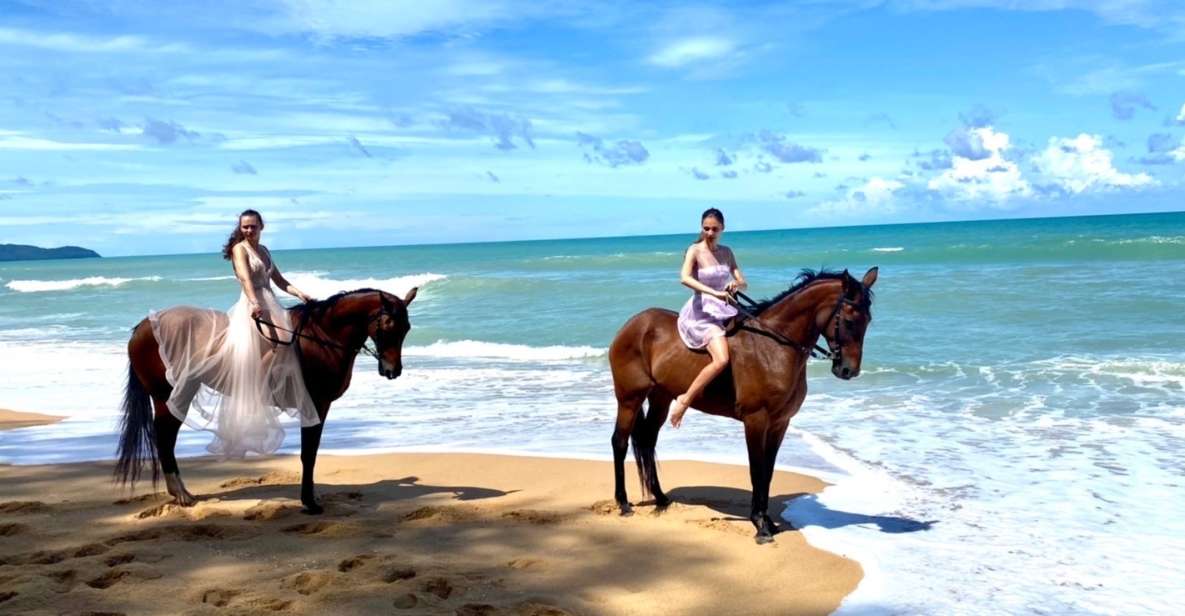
(678, 408)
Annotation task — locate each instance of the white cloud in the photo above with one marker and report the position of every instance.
(20, 142)
(689, 50)
(990, 177)
(57, 41)
(384, 18)
(875, 198)
(1081, 164)
(1180, 119)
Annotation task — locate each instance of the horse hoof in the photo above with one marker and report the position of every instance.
(763, 539)
(661, 503)
(312, 509)
(626, 510)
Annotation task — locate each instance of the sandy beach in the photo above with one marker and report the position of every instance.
(11, 420)
(404, 533)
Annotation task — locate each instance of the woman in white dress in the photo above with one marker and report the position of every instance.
(227, 377)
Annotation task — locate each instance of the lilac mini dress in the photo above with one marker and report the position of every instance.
(703, 316)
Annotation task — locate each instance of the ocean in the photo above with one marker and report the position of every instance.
(1013, 444)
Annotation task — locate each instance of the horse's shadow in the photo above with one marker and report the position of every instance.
(807, 510)
(386, 490)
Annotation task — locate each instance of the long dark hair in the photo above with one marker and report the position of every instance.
(236, 236)
(709, 213)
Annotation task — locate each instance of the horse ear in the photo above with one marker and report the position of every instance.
(870, 277)
(410, 295)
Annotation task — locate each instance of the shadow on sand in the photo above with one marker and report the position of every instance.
(805, 509)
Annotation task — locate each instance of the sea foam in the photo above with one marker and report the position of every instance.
(36, 286)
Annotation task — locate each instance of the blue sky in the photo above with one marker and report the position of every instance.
(144, 127)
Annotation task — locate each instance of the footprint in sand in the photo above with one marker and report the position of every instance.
(604, 507)
(119, 559)
(181, 532)
(447, 513)
(219, 597)
(65, 580)
(352, 563)
(270, 511)
(406, 602)
(12, 529)
(143, 498)
(271, 604)
(308, 582)
(440, 587)
(109, 579)
(173, 510)
(34, 558)
(733, 527)
(396, 573)
(6, 595)
(325, 529)
(532, 516)
(540, 609)
(476, 609)
(27, 507)
(268, 479)
(91, 549)
(525, 563)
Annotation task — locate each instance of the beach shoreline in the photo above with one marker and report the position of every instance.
(418, 533)
(11, 420)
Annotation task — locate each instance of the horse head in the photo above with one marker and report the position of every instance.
(388, 327)
(848, 320)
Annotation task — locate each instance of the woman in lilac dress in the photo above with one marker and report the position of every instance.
(711, 270)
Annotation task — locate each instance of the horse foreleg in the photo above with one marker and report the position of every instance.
(166, 427)
(627, 415)
(756, 436)
(310, 441)
(773, 442)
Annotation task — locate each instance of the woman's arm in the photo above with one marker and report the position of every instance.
(243, 273)
(283, 284)
(738, 279)
(689, 280)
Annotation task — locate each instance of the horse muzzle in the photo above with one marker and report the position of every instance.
(389, 371)
(845, 372)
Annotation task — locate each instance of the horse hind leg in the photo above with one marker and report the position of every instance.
(167, 427)
(629, 410)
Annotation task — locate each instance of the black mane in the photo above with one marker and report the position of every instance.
(809, 276)
(320, 306)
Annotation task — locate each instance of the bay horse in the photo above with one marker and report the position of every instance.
(327, 338)
(763, 387)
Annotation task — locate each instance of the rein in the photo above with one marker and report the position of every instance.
(299, 333)
(816, 352)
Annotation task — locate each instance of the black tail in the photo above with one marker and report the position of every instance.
(137, 441)
(644, 436)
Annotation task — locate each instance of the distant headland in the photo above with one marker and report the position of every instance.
(21, 252)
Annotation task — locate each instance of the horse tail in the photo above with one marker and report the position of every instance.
(644, 436)
(137, 441)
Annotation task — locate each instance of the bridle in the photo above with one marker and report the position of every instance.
(386, 309)
(834, 350)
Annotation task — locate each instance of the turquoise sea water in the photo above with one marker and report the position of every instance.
(1013, 443)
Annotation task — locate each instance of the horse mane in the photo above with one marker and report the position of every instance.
(805, 278)
(318, 307)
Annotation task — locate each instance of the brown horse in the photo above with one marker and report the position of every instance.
(329, 334)
(763, 388)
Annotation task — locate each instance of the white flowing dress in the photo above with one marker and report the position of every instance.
(214, 361)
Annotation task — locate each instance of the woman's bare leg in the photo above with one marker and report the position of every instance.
(718, 350)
